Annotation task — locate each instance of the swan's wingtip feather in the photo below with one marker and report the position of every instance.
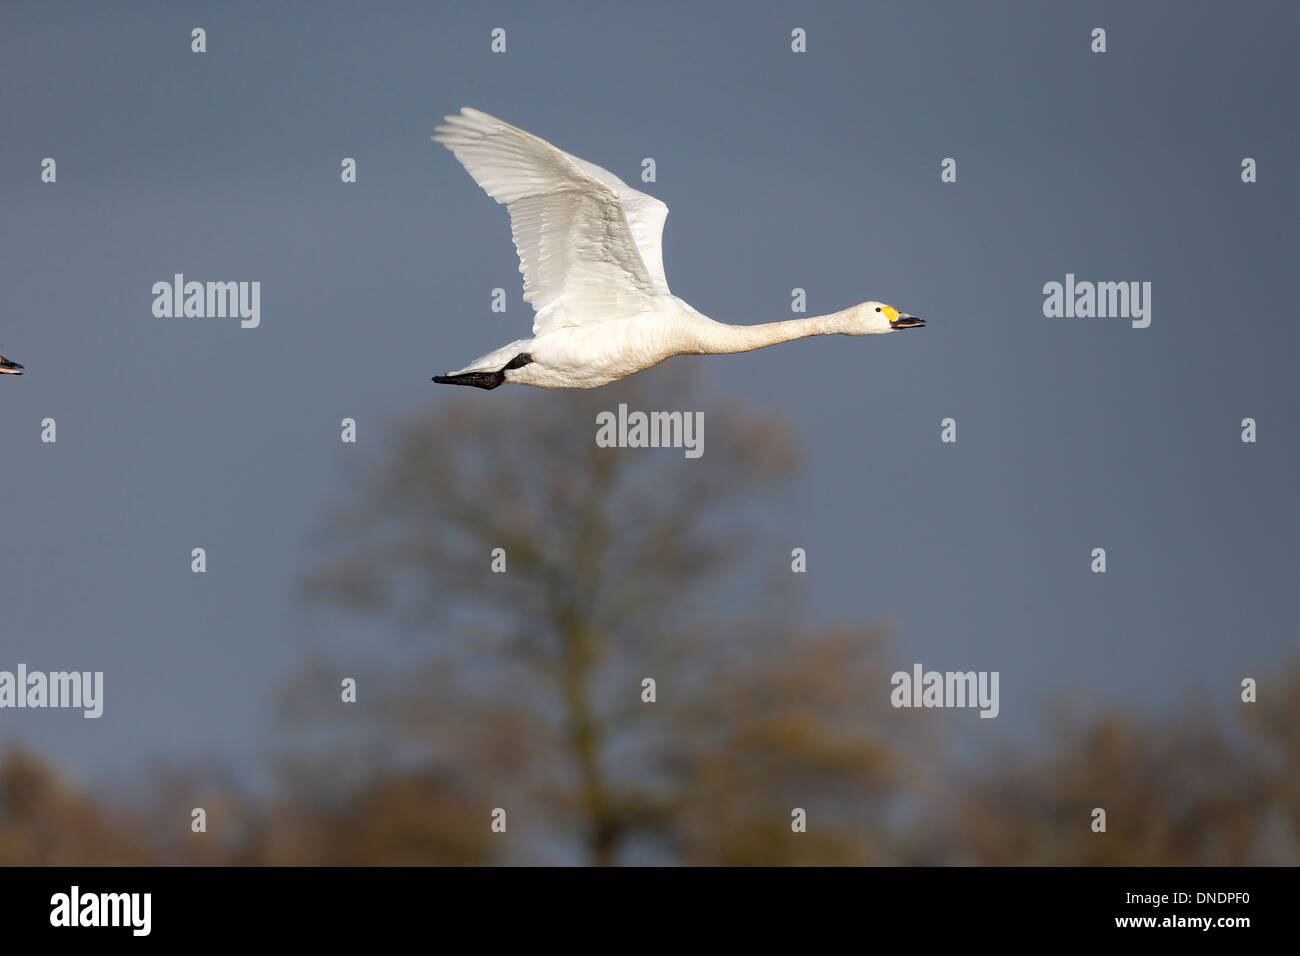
(464, 128)
(471, 119)
(456, 130)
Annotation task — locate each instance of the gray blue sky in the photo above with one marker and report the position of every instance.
(818, 171)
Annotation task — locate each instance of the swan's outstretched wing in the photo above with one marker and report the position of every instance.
(645, 217)
(589, 244)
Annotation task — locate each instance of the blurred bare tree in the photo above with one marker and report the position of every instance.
(621, 565)
(1196, 788)
(46, 820)
(1273, 730)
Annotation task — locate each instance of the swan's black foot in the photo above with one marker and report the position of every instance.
(477, 379)
(484, 379)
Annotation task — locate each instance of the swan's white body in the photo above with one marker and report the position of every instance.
(590, 251)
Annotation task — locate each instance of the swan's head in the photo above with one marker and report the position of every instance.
(9, 368)
(873, 318)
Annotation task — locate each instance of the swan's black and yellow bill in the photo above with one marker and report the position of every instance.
(9, 368)
(901, 320)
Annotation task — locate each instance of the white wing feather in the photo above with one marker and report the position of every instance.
(645, 217)
(589, 245)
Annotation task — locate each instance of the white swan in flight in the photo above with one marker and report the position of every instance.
(9, 368)
(589, 249)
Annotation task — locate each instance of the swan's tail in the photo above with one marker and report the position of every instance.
(495, 359)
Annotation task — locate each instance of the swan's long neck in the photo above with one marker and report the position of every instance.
(719, 338)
